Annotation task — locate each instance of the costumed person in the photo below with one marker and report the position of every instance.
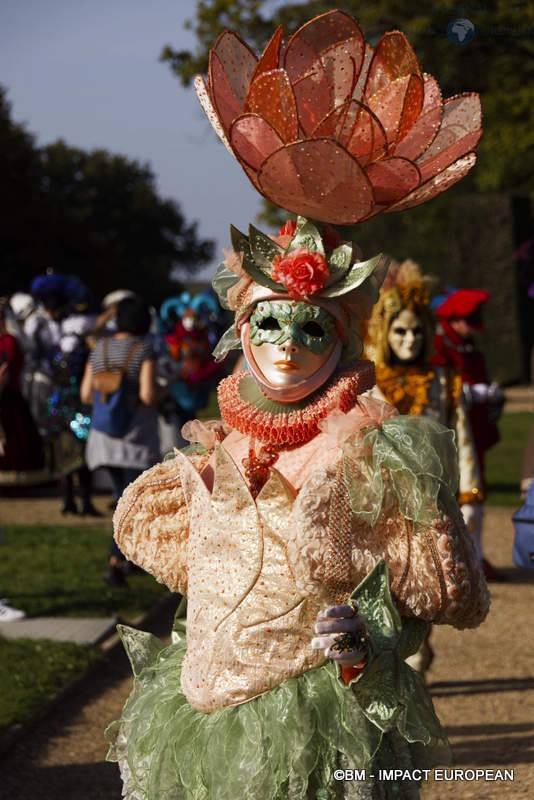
(399, 338)
(188, 367)
(313, 531)
(59, 334)
(21, 448)
(460, 320)
(21, 307)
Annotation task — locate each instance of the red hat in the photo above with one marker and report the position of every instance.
(462, 303)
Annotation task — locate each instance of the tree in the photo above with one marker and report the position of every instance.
(93, 214)
(111, 226)
(25, 210)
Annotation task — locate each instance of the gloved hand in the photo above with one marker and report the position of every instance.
(471, 513)
(341, 634)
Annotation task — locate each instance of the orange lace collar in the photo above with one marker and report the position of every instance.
(283, 426)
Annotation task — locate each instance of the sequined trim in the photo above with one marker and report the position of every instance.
(338, 556)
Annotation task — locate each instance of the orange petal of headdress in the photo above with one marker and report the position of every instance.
(327, 127)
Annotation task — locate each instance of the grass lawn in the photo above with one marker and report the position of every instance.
(32, 671)
(503, 462)
(57, 572)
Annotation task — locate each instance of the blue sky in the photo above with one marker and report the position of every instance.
(88, 71)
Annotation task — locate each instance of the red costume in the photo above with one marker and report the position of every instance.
(454, 350)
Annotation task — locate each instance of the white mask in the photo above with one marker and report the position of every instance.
(406, 336)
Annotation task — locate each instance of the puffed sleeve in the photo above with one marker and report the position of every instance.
(151, 523)
(391, 498)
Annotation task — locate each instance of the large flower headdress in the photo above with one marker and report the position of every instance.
(304, 263)
(328, 127)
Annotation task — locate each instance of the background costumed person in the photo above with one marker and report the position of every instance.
(187, 365)
(399, 338)
(460, 320)
(309, 509)
(59, 335)
(21, 448)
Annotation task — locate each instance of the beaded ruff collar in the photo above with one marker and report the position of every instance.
(285, 425)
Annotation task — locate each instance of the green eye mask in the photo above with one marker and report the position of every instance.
(276, 321)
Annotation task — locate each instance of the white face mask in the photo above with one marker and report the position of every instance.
(290, 341)
(406, 336)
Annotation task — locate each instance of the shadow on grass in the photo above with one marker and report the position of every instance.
(22, 754)
(125, 603)
(483, 686)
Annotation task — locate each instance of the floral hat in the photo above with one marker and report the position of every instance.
(328, 127)
(305, 263)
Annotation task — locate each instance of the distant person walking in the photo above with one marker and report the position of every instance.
(128, 444)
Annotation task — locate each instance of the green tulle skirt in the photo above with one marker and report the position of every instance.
(286, 744)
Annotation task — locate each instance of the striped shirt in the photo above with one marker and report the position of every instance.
(117, 354)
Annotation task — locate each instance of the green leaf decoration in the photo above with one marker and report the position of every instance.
(389, 692)
(412, 635)
(307, 235)
(264, 250)
(375, 605)
(228, 341)
(223, 281)
(339, 262)
(357, 274)
(241, 244)
(142, 648)
(378, 693)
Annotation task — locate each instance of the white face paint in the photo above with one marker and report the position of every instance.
(406, 336)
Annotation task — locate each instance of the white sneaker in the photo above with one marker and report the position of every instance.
(8, 614)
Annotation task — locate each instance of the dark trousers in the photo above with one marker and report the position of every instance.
(120, 478)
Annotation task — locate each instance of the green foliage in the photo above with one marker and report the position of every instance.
(58, 572)
(24, 211)
(112, 226)
(498, 63)
(93, 214)
(32, 671)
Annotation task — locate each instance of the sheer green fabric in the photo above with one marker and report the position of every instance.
(228, 341)
(287, 742)
(416, 455)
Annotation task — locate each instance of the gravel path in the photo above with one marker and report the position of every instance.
(482, 682)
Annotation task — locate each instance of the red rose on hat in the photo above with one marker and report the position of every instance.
(303, 272)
